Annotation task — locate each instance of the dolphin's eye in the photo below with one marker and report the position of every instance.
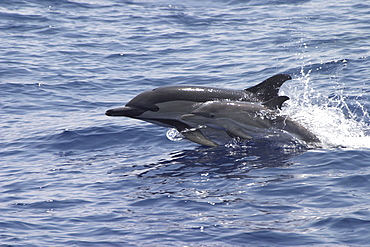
(211, 115)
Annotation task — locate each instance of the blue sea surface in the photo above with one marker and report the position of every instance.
(71, 176)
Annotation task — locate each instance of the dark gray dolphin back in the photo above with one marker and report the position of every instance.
(148, 99)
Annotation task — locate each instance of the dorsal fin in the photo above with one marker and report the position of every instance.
(276, 102)
(269, 88)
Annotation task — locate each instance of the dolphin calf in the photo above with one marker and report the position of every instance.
(247, 120)
(164, 106)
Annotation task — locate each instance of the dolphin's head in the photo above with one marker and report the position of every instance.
(197, 118)
(207, 113)
(205, 119)
(137, 106)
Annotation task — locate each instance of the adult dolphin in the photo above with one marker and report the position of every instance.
(164, 106)
(247, 120)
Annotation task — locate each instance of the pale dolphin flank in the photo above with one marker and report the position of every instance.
(164, 106)
(247, 120)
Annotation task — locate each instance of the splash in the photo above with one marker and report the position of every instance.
(319, 103)
(331, 119)
(173, 135)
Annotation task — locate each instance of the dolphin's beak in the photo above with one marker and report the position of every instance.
(187, 116)
(125, 111)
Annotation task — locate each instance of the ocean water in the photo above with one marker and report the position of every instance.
(71, 176)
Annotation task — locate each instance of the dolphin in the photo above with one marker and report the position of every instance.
(164, 106)
(247, 120)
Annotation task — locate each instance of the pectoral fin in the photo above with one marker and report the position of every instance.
(197, 137)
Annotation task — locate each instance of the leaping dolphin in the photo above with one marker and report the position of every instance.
(247, 120)
(164, 106)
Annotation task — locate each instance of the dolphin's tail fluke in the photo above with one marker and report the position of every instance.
(298, 130)
(269, 88)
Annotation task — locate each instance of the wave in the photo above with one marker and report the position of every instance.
(326, 109)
